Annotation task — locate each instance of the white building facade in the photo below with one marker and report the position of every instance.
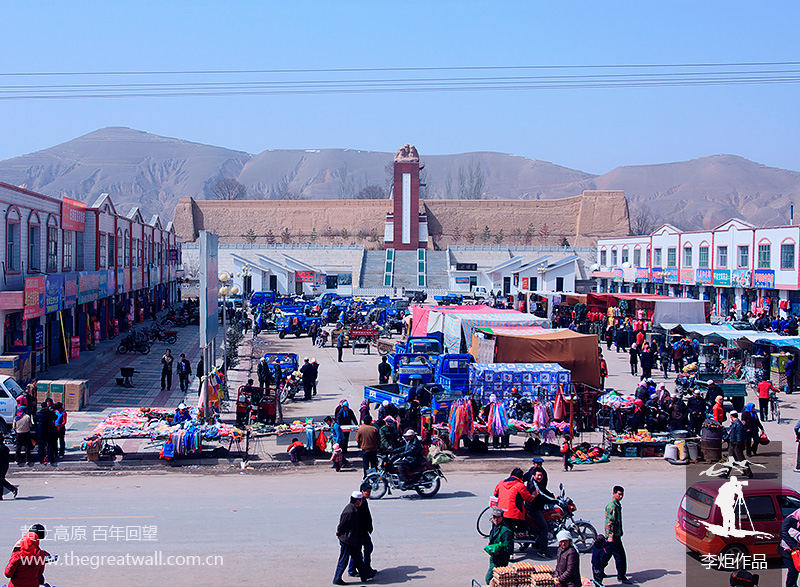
(736, 266)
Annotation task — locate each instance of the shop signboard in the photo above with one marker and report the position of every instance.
(136, 278)
(120, 281)
(127, 276)
(209, 287)
(618, 275)
(53, 293)
(466, 280)
(304, 277)
(657, 275)
(34, 297)
(722, 277)
(73, 215)
(88, 286)
(742, 278)
(70, 290)
(38, 338)
(102, 284)
(642, 274)
(173, 255)
(671, 275)
(526, 282)
(687, 277)
(764, 279)
(345, 279)
(703, 276)
(111, 281)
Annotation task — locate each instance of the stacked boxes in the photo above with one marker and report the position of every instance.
(9, 365)
(486, 379)
(72, 393)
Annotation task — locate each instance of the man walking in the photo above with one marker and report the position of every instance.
(368, 438)
(340, 345)
(315, 374)
(347, 533)
(788, 369)
(46, 434)
(184, 369)
(384, 371)
(263, 372)
(166, 370)
(364, 531)
(200, 373)
(308, 379)
(737, 439)
(613, 529)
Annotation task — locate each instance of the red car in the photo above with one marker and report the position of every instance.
(766, 502)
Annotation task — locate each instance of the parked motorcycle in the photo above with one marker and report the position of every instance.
(158, 333)
(322, 338)
(560, 517)
(290, 386)
(426, 482)
(132, 342)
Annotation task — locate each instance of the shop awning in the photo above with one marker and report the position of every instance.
(12, 300)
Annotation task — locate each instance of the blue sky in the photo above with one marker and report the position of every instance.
(591, 129)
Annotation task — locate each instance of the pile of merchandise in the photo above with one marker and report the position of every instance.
(585, 454)
(616, 401)
(462, 421)
(523, 574)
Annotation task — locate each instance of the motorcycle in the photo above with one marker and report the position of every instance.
(132, 342)
(560, 517)
(426, 481)
(290, 386)
(322, 338)
(157, 333)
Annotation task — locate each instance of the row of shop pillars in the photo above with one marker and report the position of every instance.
(50, 336)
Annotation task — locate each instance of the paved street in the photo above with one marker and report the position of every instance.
(278, 529)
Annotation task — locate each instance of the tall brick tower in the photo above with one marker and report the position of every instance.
(406, 229)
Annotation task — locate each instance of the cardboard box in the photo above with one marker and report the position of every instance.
(9, 362)
(13, 373)
(73, 395)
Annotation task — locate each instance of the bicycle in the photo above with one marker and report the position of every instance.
(774, 407)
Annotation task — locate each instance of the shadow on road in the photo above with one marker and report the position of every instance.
(401, 574)
(33, 498)
(650, 574)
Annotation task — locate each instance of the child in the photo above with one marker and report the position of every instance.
(601, 554)
(337, 457)
(567, 452)
(295, 450)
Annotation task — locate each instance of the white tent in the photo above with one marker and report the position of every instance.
(457, 324)
(679, 311)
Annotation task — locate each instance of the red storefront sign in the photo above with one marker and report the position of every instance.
(304, 276)
(34, 298)
(73, 215)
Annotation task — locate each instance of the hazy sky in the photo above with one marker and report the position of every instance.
(591, 129)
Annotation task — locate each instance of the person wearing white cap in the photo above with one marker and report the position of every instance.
(568, 569)
(181, 414)
(349, 543)
(410, 456)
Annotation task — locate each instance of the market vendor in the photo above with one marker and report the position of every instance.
(713, 392)
(696, 407)
(181, 414)
(501, 543)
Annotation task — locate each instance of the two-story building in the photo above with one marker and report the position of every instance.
(75, 274)
(737, 266)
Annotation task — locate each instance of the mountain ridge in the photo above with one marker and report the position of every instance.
(142, 169)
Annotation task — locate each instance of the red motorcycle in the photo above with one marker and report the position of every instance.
(290, 386)
(559, 517)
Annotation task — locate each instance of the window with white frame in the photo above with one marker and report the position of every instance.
(657, 258)
(79, 251)
(637, 257)
(687, 256)
(787, 256)
(625, 254)
(66, 250)
(672, 257)
(12, 240)
(764, 256)
(744, 256)
(647, 257)
(613, 257)
(722, 257)
(702, 257)
(603, 257)
(52, 249)
(103, 248)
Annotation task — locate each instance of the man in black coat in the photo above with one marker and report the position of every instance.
(697, 412)
(5, 460)
(264, 373)
(384, 371)
(347, 533)
(364, 531)
(46, 434)
(308, 378)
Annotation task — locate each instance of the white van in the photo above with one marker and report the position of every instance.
(9, 391)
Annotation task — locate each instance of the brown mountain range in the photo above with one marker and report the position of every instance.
(150, 171)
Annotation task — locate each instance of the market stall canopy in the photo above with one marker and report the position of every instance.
(457, 325)
(603, 301)
(427, 320)
(723, 331)
(679, 311)
(573, 351)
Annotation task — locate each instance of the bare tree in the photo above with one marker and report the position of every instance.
(544, 234)
(456, 234)
(371, 192)
(228, 189)
(448, 185)
(286, 236)
(471, 182)
(642, 221)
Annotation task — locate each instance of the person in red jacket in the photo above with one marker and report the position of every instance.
(25, 568)
(511, 494)
(763, 389)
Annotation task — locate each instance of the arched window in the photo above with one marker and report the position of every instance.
(12, 239)
(787, 253)
(52, 244)
(637, 256)
(687, 255)
(34, 242)
(702, 255)
(127, 249)
(603, 257)
(613, 256)
(120, 249)
(764, 254)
